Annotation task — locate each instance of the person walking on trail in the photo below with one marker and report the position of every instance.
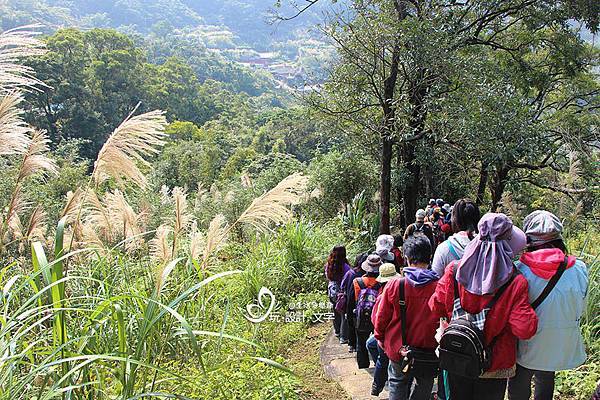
(387, 272)
(403, 334)
(335, 268)
(420, 227)
(384, 247)
(362, 302)
(348, 290)
(397, 250)
(430, 206)
(464, 220)
(483, 295)
(558, 285)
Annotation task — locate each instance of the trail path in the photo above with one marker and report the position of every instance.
(340, 365)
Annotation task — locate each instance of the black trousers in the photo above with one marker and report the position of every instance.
(476, 389)
(351, 331)
(362, 354)
(519, 387)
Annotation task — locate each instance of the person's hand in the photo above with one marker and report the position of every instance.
(440, 330)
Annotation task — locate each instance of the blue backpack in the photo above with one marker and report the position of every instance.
(364, 305)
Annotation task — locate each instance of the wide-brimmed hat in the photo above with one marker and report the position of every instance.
(542, 227)
(372, 263)
(387, 272)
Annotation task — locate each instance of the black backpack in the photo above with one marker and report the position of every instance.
(462, 349)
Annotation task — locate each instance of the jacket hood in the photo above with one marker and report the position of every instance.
(545, 262)
(419, 276)
(459, 243)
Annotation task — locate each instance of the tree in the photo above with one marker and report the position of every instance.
(399, 59)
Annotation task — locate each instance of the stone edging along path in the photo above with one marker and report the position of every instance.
(340, 365)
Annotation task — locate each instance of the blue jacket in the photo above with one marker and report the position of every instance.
(558, 344)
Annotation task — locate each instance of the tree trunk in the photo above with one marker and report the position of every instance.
(498, 185)
(483, 180)
(411, 189)
(385, 184)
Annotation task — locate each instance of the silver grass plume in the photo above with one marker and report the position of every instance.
(16, 45)
(129, 145)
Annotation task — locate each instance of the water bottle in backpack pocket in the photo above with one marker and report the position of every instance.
(364, 305)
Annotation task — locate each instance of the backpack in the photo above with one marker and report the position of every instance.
(333, 289)
(340, 302)
(364, 305)
(463, 350)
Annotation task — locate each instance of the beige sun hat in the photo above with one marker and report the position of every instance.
(387, 272)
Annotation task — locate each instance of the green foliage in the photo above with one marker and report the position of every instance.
(341, 176)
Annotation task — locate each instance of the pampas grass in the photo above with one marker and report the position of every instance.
(35, 160)
(215, 236)
(128, 146)
(182, 217)
(160, 247)
(14, 132)
(15, 45)
(273, 206)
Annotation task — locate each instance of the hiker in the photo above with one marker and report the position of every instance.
(348, 290)
(361, 302)
(430, 206)
(558, 285)
(383, 248)
(398, 257)
(465, 217)
(420, 226)
(335, 268)
(387, 272)
(483, 295)
(403, 335)
(437, 221)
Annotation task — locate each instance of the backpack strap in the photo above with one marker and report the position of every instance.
(454, 270)
(551, 284)
(452, 250)
(499, 292)
(361, 283)
(402, 303)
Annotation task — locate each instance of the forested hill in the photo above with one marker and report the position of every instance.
(247, 20)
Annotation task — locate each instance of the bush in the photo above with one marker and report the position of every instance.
(339, 177)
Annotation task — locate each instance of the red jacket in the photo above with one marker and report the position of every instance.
(510, 319)
(421, 323)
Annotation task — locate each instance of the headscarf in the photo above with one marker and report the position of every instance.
(488, 260)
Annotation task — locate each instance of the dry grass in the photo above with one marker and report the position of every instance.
(128, 147)
(305, 360)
